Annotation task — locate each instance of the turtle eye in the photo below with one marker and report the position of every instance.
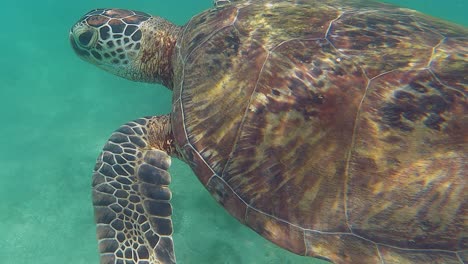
(85, 38)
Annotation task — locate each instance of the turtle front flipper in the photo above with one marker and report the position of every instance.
(131, 196)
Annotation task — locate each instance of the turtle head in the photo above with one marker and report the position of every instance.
(130, 44)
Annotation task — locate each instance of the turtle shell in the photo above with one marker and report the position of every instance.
(335, 130)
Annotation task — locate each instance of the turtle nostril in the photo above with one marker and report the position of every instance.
(85, 38)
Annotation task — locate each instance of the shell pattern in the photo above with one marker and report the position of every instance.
(334, 130)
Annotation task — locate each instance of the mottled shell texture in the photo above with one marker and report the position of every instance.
(332, 129)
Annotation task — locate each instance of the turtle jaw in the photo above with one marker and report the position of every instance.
(83, 40)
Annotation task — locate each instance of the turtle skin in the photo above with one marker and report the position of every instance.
(335, 130)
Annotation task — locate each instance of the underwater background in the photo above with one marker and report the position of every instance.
(57, 112)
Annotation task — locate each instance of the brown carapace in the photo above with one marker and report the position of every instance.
(335, 129)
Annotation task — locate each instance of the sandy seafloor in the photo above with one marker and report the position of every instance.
(56, 114)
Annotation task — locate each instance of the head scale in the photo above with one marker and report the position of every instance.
(110, 39)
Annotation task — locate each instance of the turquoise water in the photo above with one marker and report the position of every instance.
(57, 112)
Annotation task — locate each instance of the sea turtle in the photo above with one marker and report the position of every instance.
(335, 129)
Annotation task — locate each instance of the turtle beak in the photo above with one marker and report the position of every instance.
(80, 52)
